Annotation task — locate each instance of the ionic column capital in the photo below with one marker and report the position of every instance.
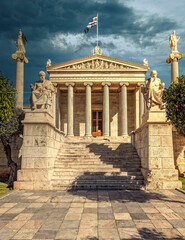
(106, 84)
(70, 84)
(19, 57)
(124, 84)
(88, 84)
(140, 84)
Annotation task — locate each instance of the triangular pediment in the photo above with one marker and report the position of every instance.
(97, 63)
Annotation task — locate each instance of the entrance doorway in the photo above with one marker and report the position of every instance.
(97, 120)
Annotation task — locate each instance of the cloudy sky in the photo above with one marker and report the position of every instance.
(130, 30)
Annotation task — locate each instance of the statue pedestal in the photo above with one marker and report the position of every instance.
(40, 146)
(154, 115)
(154, 143)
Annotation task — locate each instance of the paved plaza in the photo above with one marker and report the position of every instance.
(93, 215)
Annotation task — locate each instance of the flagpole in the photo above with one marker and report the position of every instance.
(97, 29)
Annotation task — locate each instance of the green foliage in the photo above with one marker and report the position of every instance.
(174, 98)
(13, 126)
(3, 188)
(183, 182)
(7, 99)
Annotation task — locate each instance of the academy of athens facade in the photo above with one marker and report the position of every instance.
(96, 101)
(98, 96)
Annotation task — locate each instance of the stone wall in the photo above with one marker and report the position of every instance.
(179, 152)
(16, 148)
(40, 147)
(153, 142)
(97, 104)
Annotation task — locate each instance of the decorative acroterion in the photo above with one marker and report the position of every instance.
(145, 62)
(97, 50)
(48, 63)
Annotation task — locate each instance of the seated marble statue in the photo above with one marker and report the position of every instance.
(42, 92)
(154, 91)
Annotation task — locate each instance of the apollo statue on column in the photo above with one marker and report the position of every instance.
(173, 41)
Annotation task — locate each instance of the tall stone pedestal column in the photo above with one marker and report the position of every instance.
(154, 144)
(40, 147)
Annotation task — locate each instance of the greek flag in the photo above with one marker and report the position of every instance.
(91, 24)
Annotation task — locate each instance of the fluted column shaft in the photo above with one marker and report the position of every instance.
(141, 104)
(174, 70)
(106, 119)
(124, 121)
(88, 117)
(70, 113)
(19, 83)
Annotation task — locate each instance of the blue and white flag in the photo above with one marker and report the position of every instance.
(91, 24)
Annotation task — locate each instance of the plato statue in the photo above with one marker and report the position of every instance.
(154, 91)
(173, 41)
(42, 92)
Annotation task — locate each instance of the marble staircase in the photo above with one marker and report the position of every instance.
(97, 163)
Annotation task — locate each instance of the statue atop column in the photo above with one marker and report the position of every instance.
(21, 42)
(174, 57)
(173, 39)
(154, 91)
(20, 58)
(42, 93)
(20, 52)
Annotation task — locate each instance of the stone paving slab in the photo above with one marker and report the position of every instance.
(92, 215)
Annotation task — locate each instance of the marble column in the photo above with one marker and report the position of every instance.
(174, 57)
(88, 111)
(57, 109)
(106, 118)
(20, 58)
(70, 112)
(141, 103)
(124, 120)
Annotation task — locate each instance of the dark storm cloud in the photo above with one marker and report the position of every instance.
(39, 19)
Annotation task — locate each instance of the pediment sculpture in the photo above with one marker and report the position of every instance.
(42, 93)
(154, 91)
(97, 64)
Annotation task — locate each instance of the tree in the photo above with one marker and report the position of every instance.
(10, 123)
(174, 98)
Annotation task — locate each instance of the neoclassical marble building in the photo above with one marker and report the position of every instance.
(98, 95)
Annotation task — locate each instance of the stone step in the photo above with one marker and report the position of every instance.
(108, 186)
(115, 165)
(105, 174)
(97, 166)
(95, 156)
(107, 178)
(107, 160)
(95, 169)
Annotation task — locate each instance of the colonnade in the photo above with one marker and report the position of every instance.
(106, 109)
